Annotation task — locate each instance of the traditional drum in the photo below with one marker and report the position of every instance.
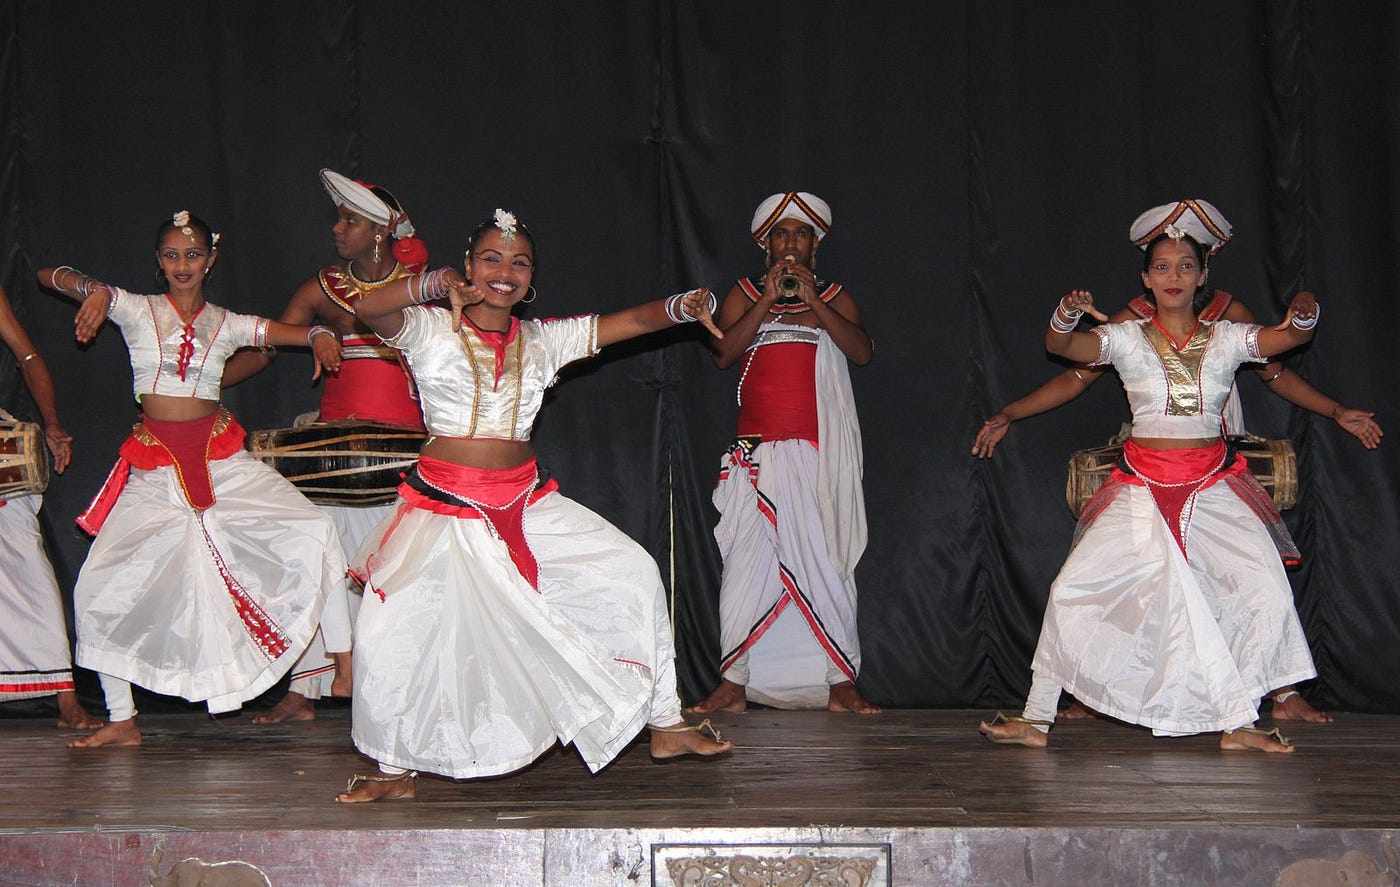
(1272, 462)
(24, 459)
(340, 463)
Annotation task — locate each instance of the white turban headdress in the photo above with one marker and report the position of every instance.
(807, 208)
(358, 198)
(1196, 218)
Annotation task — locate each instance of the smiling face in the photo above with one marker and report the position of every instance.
(501, 267)
(793, 239)
(185, 259)
(354, 235)
(1174, 273)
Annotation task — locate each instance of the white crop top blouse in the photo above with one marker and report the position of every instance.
(1177, 392)
(483, 384)
(168, 357)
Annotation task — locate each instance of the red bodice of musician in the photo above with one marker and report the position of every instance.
(370, 388)
(778, 395)
(373, 385)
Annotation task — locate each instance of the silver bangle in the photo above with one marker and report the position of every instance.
(676, 311)
(1064, 326)
(317, 330)
(1305, 325)
(77, 277)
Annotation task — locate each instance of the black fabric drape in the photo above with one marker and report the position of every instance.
(981, 159)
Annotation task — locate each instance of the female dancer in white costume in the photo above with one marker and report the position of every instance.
(209, 569)
(1173, 610)
(500, 617)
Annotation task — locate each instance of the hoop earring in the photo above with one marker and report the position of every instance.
(533, 295)
(377, 238)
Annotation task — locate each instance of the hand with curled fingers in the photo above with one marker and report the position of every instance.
(1303, 312)
(1077, 302)
(806, 283)
(990, 434)
(772, 288)
(93, 312)
(60, 445)
(698, 304)
(326, 351)
(462, 294)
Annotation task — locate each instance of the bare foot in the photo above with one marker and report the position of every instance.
(117, 733)
(343, 684)
(673, 742)
(1254, 740)
(1296, 708)
(376, 788)
(1076, 711)
(728, 696)
(72, 715)
(293, 707)
(1014, 733)
(843, 697)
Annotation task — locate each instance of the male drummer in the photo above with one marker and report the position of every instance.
(35, 659)
(374, 238)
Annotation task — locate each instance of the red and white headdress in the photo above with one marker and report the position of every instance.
(800, 205)
(1192, 217)
(359, 197)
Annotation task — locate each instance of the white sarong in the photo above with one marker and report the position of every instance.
(207, 606)
(463, 669)
(792, 528)
(34, 655)
(1135, 631)
(313, 671)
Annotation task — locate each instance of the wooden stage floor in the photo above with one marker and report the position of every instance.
(808, 778)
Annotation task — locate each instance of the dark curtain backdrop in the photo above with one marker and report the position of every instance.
(981, 159)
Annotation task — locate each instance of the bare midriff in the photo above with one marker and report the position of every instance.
(479, 452)
(169, 408)
(1175, 443)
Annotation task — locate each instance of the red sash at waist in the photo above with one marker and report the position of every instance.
(370, 389)
(1174, 477)
(499, 496)
(778, 394)
(189, 446)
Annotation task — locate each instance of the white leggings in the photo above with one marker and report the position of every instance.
(120, 705)
(1042, 701)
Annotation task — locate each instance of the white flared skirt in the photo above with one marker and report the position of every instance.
(463, 669)
(34, 655)
(212, 605)
(1137, 632)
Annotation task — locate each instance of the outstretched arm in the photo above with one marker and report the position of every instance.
(1295, 389)
(1058, 391)
(648, 317)
(382, 310)
(300, 311)
(38, 381)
